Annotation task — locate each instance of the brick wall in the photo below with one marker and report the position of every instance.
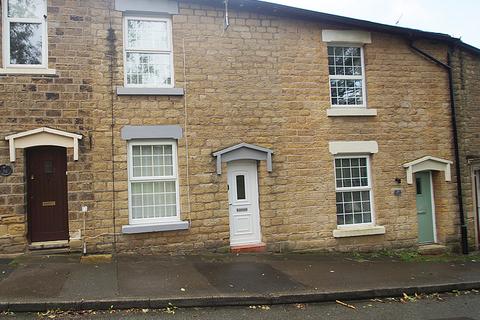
(263, 81)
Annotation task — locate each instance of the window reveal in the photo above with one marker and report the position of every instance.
(347, 79)
(153, 182)
(148, 52)
(25, 33)
(353, 191)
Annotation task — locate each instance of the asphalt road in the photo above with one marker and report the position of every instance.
(458, 306)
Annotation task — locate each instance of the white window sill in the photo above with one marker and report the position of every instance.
(28, 71)
(351, 112)
(358, 231)
(155, 227)
(138, 91)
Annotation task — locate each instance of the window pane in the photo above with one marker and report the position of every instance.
(240, 187)
(156, 199)
(152, 161)
(147, 35)
(26, 8)
(348, 92)
(353, 206)
(351, 210)
(169, 186)
(351, 172)
(25, 43)
(136, 150)
(136, 213)
(345, 61)
(148, 69)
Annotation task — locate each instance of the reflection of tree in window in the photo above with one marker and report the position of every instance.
(25, 8)
(25, 43)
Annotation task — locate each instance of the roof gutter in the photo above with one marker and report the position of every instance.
(448, 68)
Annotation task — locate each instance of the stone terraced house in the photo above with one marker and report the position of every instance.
(164, 126)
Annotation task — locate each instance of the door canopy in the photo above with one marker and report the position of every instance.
(243, 151)
(43, 137)
(428, 163)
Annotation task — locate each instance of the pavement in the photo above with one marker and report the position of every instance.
(40, 283)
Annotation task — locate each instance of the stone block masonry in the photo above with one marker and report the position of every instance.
(466, 75)
(264, 81)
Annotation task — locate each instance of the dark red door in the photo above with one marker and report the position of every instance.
(47, 193)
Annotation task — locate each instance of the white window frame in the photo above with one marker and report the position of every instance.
(350, 189)
(340, 77)
(173, 177)
(126, 49)
(6, 37)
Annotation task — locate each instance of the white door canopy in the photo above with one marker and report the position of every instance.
(428, 163)
(43, 137)
(243, 151)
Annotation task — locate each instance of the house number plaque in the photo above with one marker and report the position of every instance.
(5, 170)
(48, 204)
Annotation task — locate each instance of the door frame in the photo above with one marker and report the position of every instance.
(29, 203)
(476, 201)
(434, 213)
(249, 165)
(432, 199)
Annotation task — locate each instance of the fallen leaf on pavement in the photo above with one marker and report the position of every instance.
(345, 304)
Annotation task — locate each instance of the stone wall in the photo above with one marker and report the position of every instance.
(466, 74)
(264, 81)
(64, 101)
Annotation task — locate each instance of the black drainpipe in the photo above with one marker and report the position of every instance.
(463, 226)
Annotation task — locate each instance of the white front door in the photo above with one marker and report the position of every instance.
(243, 202)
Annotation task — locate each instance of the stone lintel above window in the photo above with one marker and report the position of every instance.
(346, 36)
(153, 6)
(152, 132)
(353, 147)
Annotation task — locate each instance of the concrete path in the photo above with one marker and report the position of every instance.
(37, 283)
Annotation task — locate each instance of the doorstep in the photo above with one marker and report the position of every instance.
(249, 248)
(431, 249)
(50, 247)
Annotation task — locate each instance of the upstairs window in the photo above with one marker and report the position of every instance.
(148, 52)
(347, 76)
(24, 33)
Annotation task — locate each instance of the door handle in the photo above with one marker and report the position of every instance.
(421, 212)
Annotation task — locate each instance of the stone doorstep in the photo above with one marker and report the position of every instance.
(60, 244)
(249, 248)
(432, 249)
(49, 247)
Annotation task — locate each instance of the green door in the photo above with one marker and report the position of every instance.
(424, 207)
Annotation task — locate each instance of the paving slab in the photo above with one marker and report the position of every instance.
(34, 281)
(247, 277)
(160, 277)
(40, 283)
(98, 280)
